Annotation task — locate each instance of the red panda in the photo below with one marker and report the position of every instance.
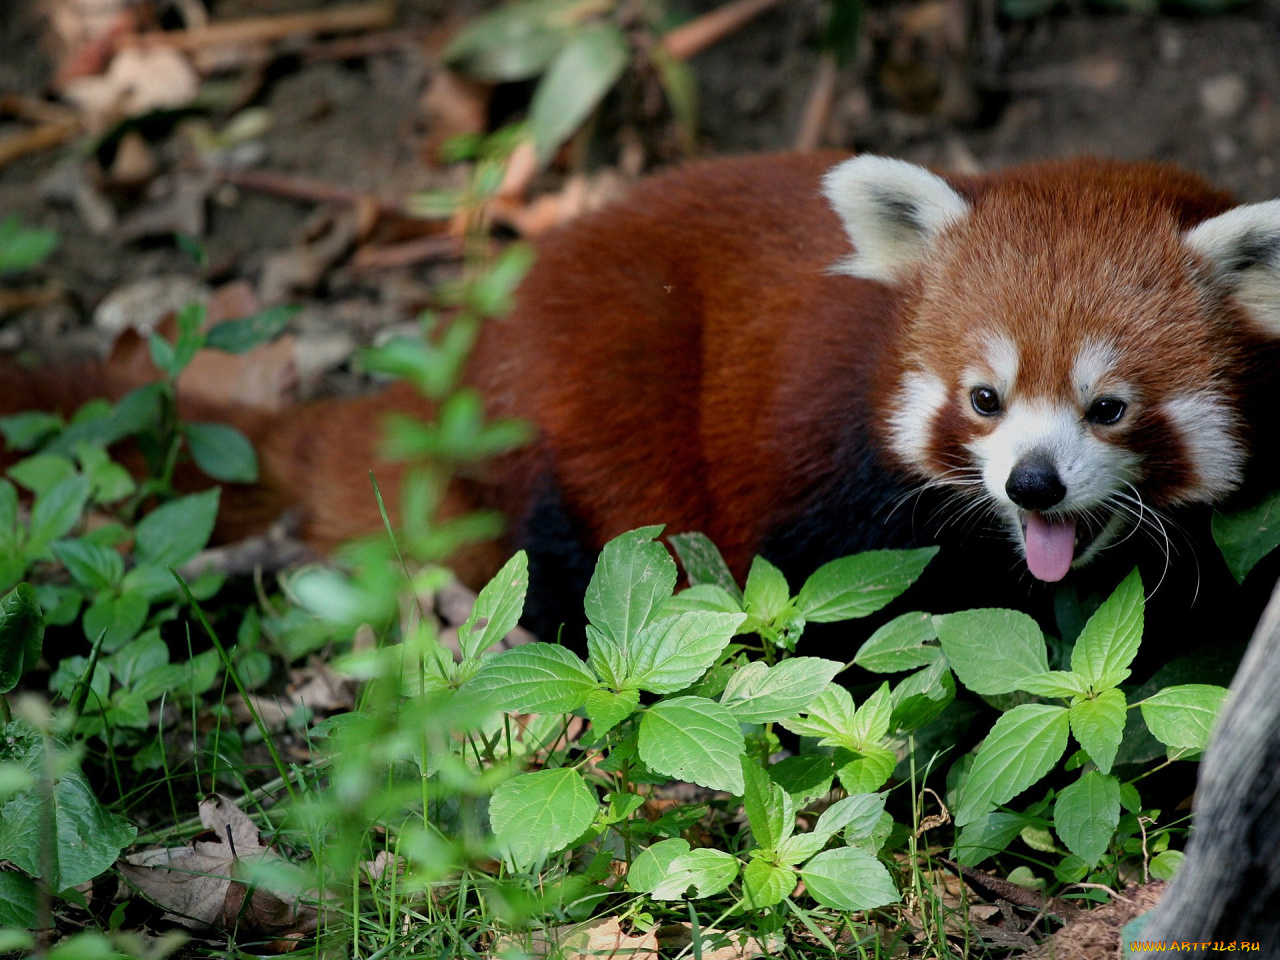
(784, 351)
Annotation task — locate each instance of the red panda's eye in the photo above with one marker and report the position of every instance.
(1105, 410)
(985, 400)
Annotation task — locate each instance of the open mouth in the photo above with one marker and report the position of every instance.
(1054, 542)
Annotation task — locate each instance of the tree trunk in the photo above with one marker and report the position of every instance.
(1228, 891)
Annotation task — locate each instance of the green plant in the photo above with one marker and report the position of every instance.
(997, 653)
(22, 248)
(578, 48)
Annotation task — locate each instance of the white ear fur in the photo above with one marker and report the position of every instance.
(1243, 249)
(892, 210)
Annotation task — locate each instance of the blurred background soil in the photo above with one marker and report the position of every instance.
(958, 84)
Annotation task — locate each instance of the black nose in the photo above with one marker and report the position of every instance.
(1034, 484)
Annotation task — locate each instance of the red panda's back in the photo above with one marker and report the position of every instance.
(651, 342)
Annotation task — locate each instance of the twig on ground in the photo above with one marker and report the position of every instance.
(43, 137)
(817, 108)
(409, 253)
(272, 551)
(710, 28)
(309, 189)
(350, 18)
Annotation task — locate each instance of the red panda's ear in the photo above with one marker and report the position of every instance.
(1242, 248)
(892, 210)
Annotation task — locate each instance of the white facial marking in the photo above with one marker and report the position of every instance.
(1090, 469)
(920, 398)
(1000, 354)
(1093, 364)
(892, 211)
(1209, 431)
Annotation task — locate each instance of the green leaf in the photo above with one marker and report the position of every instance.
(693, 739)
(801, 847)
(1165, 865)
(668, 655)
(765, 884)
(703, 563)
(60, 603)
(805, 777)
(22, 248)
(902, 643)
(861, 584)
(606, 710)
(40, 472)
(1246, 536)
(1183, 716)
(516, 41)
(17, 901)
(707, 871)
(21, 635)
(680, 86)
(538, 814)
(91, 565)
(497, 608)
(766, 594)
(1055, 683)
(922, 696)
(1110, 639)
(86, 838)
(607, 657)
(987, 835)
(576, 80)
(1023, 745)
(172, 534)
(55, 512)
(857, 815)
(222, 452)
(245, 333)
(491, 296)
(1086, 813)
(633, 578)
(25, 431)
(769, 808)
(865, 769)
(190, 319)
(117, 619)
(992, 651)
(654, 863)
(849, 879)
(1099, 726)
(533, 678)
(162, 354)
(138, 658)
(702, 596)
(830, 717)
(758, 693)
(108, 482)
(843, 28)
(871, 721)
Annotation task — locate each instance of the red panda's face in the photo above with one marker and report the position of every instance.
(1069, 353)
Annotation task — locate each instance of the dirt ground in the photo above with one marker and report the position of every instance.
(944, 82)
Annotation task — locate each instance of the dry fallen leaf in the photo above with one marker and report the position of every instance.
(263, 379)
(205, 885)
(675, 937)
(329, 235)
(596, 940)
(138, 80)
(317, 687)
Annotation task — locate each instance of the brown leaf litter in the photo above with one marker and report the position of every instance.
(216, 881)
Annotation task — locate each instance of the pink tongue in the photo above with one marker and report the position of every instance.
(1051, 544)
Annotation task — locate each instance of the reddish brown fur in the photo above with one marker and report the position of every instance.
(688, 358)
